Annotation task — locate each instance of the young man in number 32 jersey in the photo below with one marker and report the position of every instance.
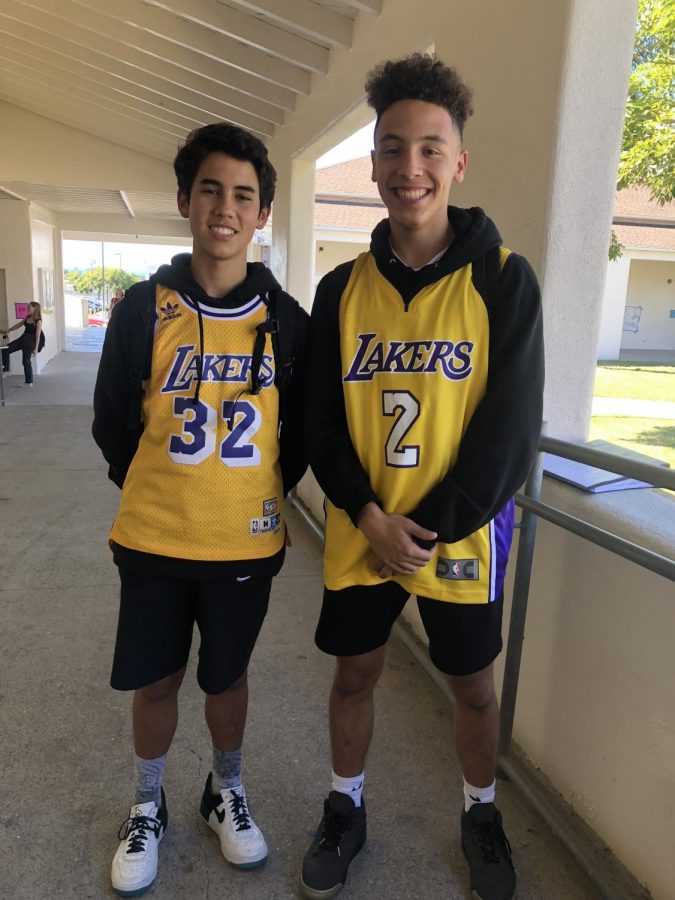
(200, 530)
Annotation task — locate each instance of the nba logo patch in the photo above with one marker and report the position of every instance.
(457, 569)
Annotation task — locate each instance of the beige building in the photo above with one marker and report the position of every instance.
(95, 97)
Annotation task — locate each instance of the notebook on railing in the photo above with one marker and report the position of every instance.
(592, 479)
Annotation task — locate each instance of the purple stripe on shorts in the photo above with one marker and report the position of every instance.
(503, 525)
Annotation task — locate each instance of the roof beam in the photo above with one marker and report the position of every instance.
(128, 205)
(251, 31)
(134, 15)
(314, 21)
(33, 101)
(144, 51)
(48, 74)
(374, 7)
(91, 110)
(112, 70)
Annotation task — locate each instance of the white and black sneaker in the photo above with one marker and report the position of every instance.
(134, 866)
(241, 841)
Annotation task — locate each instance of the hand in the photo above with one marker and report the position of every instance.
(391, 539)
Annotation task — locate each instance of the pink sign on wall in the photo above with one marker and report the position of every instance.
(21, 310)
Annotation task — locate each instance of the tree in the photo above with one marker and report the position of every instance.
(648, 147)
(91, 281)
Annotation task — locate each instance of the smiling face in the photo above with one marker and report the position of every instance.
(224, 211)
(417, 157)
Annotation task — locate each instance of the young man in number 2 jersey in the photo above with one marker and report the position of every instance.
(424, 410)
(200, 530)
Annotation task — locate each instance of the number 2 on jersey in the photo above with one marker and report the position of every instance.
(403, 405)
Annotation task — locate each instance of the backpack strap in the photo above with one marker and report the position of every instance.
(141, 357)
(278, 324)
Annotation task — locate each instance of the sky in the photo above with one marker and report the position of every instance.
(359, 144)
(144, 259)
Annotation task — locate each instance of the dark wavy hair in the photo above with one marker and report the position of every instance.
(221, 137)
(419, 76)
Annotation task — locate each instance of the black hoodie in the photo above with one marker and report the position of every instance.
(113, 392)
(501, 439)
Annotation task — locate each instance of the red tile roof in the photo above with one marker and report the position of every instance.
(635, 203)
(641, 237)
(352, 179)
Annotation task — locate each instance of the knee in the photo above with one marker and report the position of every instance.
(353, 682)
(160, 691)
(476, 694)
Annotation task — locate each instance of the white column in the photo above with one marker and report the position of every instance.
(588, 138)
(293, 228)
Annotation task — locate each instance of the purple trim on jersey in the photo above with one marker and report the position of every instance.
(503, 524)
(213, 312)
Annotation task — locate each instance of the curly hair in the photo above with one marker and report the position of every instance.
(221, 137)
(419, 76)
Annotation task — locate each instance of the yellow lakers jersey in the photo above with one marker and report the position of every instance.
(205, 483)
(412, 379)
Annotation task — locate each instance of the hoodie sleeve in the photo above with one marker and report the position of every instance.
(331, 453)
(502, 437)
(112, 393)
(292, 449)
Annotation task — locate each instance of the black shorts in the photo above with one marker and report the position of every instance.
(157, 615)
(463, 638)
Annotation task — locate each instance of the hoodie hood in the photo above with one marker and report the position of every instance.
(475, 234)
(178, 276)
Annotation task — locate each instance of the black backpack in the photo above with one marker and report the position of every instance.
(279, 324)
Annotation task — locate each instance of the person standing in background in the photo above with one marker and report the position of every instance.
(30, 342)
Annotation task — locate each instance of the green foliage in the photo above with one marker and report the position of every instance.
(91, 281)
(615, 248)
(648, 148)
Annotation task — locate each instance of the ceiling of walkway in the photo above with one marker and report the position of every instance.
(143, 73)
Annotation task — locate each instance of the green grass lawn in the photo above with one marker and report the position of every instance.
(655, 437)
(636, 381)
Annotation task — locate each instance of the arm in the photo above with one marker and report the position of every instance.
(112, 395)
(14, 327)
(502, 437)
(331, 453)
(292, 449)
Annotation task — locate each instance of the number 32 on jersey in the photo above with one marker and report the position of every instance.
(197, 440)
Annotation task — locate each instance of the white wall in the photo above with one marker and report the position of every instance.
(330, 254)
(16, 260)
(596, 701)
(35, 149)
(651, 284)
(611, 323)
(45, 238)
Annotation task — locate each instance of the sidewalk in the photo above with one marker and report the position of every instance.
(641, 409)
(66, 767)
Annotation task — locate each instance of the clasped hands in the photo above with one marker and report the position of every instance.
(391, 538)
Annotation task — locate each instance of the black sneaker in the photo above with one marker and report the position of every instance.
(340, 836)
(493, 876)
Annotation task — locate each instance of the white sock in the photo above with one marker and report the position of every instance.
(477, 795)
(353, 787)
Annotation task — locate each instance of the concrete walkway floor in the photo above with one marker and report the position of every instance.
(66, 762)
